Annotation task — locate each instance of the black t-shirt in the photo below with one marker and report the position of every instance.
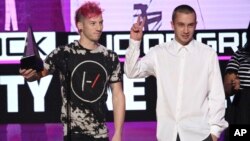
(90, 72)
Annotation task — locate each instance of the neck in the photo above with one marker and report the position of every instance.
(183, 44)
(88, 44)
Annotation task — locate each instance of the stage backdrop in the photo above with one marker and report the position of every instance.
(39, 101)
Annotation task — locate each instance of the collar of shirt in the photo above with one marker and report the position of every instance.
(176, 47)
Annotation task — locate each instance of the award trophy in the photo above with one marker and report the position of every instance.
(31, 58)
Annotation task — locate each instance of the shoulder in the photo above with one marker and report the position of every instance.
(204, 51)
(66, 47)
(107, 53)
(204, 47)
(62, 50)
(161, 46)
(105, 50)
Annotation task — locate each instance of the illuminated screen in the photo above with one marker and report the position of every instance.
(53, 25)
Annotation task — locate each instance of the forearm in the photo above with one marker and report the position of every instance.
(217, 113)
(119, 112)
(214, 138)
(228, 87)
(132, 55)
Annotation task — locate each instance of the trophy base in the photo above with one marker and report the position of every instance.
(31, 62)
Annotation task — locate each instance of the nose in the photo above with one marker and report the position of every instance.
(185, 29)
(99, 27)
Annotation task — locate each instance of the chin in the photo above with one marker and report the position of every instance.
(185, 42)
(95, 40)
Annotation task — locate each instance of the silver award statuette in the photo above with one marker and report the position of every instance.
(31, 58)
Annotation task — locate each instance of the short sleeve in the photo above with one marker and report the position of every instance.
(116, 73)
(55, 60)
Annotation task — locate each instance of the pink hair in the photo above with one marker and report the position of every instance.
(88, 10)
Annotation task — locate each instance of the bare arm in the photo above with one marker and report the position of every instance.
(231, 83)
(118, 99)
(214, 138)
(32, 75)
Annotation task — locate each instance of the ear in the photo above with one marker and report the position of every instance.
(79, 26)
(172, 24)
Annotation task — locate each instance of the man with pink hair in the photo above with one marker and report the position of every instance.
(87, 69)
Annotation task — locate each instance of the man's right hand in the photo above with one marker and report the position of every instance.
(30, 74)
(236, 83)
(231, 83)
(136, 31)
